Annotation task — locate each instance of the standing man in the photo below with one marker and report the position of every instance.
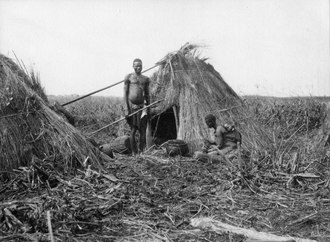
(136, 94)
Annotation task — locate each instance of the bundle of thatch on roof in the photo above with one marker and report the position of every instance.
(191, 89)
(30, 130)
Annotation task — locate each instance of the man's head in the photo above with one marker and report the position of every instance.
(137, 66)
(210, 121)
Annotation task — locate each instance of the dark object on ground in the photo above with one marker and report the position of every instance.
(176, 147)
(119, 145)
(106, 149)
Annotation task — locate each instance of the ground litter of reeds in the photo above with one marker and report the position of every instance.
(152, 197)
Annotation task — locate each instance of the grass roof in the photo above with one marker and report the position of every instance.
(187, 81)
(30, 130)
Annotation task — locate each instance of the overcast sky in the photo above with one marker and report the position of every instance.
(263, 47)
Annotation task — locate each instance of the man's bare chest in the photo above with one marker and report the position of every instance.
(137, 80)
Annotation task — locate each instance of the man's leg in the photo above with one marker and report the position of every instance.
(133, 122)
(133, 141)
(224, 153)
(143, 131)
(227, 150)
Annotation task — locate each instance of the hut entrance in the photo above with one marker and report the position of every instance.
(164, 127)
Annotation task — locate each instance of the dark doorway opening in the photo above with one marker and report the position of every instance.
(164, 127)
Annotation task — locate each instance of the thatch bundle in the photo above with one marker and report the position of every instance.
(30, 130)
(191, 89)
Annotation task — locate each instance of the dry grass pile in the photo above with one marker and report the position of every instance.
(155, 198)
(195, 88)
(30, 130)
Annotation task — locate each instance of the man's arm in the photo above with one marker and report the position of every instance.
(219, 136)
(146, 95)
(126, 93)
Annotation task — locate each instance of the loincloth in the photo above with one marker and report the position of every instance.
(138, 120)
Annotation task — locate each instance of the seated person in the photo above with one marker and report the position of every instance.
(226, 140)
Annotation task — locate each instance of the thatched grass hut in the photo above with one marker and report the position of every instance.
(191, 89)
(30, 130)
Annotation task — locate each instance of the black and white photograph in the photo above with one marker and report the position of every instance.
(150, 120)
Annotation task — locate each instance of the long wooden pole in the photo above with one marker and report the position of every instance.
(102, 89)
(89, 94)
(119, 120)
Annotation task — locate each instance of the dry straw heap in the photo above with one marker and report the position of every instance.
(191, 89)
(30, 130)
